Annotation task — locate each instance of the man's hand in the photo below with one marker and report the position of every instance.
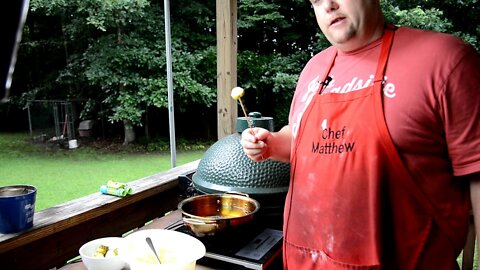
(254, 143)
(260, 144)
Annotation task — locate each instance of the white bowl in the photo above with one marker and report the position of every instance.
(177, 251)
(110, 262)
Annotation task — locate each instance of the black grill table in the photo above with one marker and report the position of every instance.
(255, 246)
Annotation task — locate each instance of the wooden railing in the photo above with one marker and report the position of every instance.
(58, 232)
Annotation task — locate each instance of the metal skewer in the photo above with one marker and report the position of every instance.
(246, 116)
(237, 94)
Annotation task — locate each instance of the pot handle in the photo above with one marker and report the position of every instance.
(237, 193)
(195, 221)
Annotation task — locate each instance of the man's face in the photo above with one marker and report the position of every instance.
(349, 24)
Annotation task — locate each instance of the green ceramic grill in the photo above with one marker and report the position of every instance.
(225, 168)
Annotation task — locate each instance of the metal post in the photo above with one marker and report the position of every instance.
(55, 118)
(168, 53)
(30, 119)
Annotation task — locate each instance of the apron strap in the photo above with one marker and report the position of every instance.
(325, 78)
(409, 182)
(384, 54)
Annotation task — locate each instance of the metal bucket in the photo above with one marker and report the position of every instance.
(72, 144)
(17, 208)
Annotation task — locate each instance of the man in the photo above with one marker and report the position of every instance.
(384, 145)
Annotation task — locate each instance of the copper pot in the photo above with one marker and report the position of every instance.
(210, 214)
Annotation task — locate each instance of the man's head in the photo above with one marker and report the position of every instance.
(349, 24)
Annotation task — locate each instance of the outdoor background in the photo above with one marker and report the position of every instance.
(104, 61)
(107, 60)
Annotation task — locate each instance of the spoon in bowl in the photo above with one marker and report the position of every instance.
(150, 244)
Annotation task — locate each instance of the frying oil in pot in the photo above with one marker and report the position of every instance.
(233, 212)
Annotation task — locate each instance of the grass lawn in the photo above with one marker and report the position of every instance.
(61, 175)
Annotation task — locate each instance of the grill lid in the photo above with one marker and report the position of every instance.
(225, 167)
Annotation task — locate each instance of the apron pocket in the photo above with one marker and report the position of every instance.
(306, 258)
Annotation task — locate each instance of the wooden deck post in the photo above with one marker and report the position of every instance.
(226, 14)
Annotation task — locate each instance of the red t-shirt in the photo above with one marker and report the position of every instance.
(431, 103)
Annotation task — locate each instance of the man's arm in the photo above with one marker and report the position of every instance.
(475, 198)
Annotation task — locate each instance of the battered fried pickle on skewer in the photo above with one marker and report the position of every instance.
(237, 94)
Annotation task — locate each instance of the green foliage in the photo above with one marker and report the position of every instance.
(426, 19)
(163, 145)
(123, 64)
(194, 85)
(111, 13)
(111, 53)
(256, 13)
(460, 18)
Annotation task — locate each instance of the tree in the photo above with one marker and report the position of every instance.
(460, 18)
(111, 52)
(123, 64)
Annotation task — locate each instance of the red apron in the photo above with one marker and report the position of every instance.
(352, 203)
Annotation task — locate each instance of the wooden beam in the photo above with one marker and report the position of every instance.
(226, 11)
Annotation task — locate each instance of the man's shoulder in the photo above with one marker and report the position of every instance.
(428, 38)
(429, 46)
